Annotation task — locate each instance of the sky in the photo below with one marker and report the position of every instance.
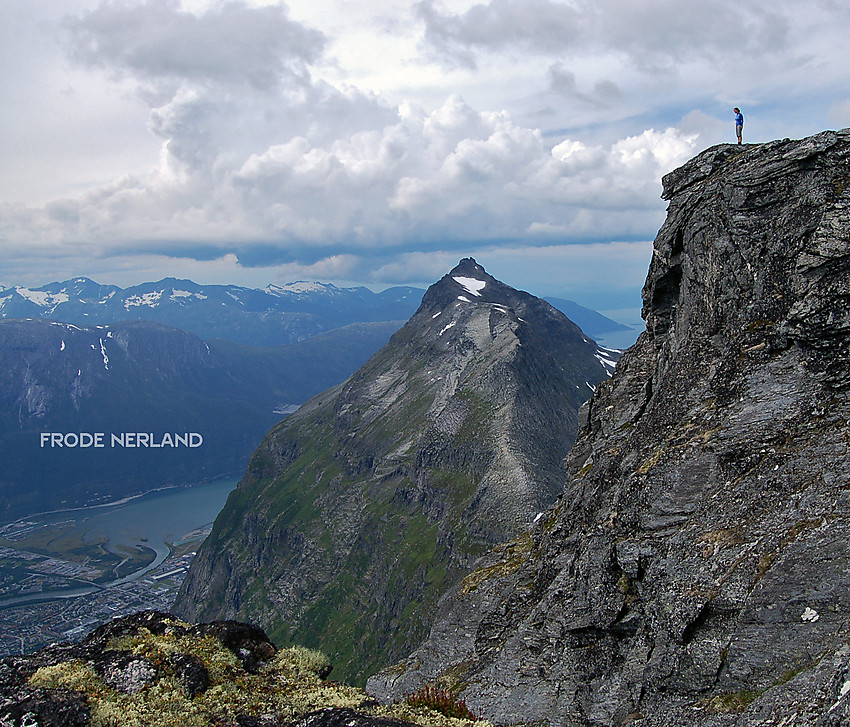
(377, 143)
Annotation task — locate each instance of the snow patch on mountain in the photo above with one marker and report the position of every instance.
(105, 357)
(300, 287)
(471, 285)
(607, 362)
(42, 298)
(149, 299)
(179, 294)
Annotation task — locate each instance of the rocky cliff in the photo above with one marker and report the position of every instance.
(696, 569)
(360, 509)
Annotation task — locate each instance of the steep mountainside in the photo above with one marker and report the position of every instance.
(695, 570)
(60, 379)
(276, 315)
(360, 509)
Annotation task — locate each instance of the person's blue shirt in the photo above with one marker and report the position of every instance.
(739, 119)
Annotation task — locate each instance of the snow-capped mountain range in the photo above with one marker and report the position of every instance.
(274, 315)
(277, 314)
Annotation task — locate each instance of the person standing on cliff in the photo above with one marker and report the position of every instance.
(739, 123)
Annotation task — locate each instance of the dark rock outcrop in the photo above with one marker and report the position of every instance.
(361, 508)
(695, 570)
(150, 668)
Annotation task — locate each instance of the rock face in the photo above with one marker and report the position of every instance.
(695, 569)
(360, 509)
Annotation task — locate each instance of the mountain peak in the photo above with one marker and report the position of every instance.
(468, 282)
(469, 267)
(376, 496)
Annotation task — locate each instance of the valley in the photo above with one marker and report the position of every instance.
(63, 573)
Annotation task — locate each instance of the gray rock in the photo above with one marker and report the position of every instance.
(126, 672)
(337, 717)
(695, 569)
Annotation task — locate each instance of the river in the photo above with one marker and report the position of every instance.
(156, 520)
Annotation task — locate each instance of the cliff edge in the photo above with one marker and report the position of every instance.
(696, 569)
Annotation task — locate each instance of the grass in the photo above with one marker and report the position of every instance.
(515, 554)
(732, 702)
(442, 701)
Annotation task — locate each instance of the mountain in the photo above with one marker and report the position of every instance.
(695, 569)
(59, 381)
(592, 323)
(276, 315)
(360, 509)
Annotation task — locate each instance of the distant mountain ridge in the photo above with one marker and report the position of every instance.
(375, 496)
(590, 321)
(144, 377)
(274, 315)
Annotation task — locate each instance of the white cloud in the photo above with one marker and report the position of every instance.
(650, 34)
(452, 177)
(229, 43)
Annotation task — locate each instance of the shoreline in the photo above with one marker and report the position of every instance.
(116, 503)
(162, 544)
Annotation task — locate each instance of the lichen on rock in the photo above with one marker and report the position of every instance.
(153, 670)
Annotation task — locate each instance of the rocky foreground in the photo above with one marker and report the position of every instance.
(696, 570)
(153, 670)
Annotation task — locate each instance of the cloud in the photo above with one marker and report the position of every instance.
(446, 179)
(537, 25)
(229, 43)
(274, 155)
(652, 35)
(563, 82)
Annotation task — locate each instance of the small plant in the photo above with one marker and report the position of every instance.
(732, 702)
(304, 663)
(440, 700)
